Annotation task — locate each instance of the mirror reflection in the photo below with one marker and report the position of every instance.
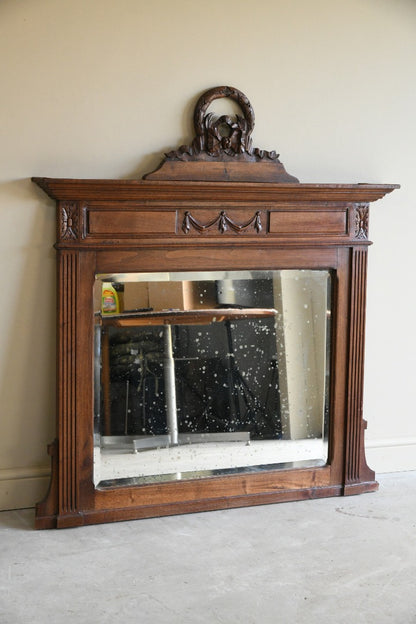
(204, 373)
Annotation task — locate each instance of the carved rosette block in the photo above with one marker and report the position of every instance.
(357, 473)
(361, 221)
(69, 221)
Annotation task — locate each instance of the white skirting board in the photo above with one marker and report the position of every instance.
(391, 454)
(21, 488)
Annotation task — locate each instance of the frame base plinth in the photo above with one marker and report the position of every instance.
(58, 521)
(45, 522)
(351, 489)
(65, 521)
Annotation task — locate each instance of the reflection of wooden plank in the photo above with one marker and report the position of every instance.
(140, 443)
(185, 317)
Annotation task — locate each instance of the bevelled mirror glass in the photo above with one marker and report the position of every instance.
(206, 373)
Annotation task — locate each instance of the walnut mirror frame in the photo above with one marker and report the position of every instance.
(217, 205)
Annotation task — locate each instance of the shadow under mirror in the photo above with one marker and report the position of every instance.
(206, 373)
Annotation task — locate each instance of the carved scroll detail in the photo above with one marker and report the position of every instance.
(223, 221)
(69, 221)
(361, 221)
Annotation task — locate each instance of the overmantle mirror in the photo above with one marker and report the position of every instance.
(211, 322)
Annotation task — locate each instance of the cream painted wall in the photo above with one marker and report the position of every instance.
(102, 88)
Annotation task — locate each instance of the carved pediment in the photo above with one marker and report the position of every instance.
(222, 148)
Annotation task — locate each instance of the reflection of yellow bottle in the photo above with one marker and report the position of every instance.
(109, 299)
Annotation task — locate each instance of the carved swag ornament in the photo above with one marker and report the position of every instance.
(223, 223)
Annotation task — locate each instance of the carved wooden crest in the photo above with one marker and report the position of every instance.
(222, 148)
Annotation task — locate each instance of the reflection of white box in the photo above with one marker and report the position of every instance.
(168, 296)
(136, 296)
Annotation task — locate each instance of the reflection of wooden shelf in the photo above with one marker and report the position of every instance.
(184, 317)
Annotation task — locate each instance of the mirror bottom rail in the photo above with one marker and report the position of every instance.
(224, 502)
(148, 501)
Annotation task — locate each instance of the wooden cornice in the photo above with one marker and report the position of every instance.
(160, 191)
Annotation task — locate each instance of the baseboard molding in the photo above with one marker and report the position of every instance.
(22, 487)
(391, 454)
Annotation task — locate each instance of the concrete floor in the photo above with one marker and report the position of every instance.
(340, 560)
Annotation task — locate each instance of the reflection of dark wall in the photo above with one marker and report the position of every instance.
(233, 384)
(253, 293)
(235, 378)
(136, 376)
